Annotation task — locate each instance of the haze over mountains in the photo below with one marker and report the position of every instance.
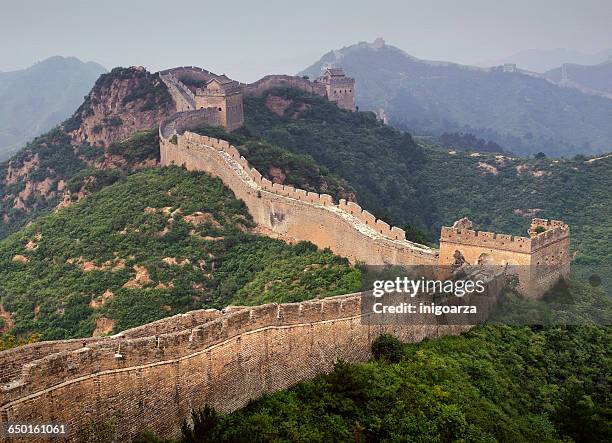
(35, 99)
(594, 79)
(542, 60)
(523, 113)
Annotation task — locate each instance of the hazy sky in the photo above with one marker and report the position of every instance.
(247, 39)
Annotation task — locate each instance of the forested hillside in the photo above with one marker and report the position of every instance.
(407, 183)
(316, 146)
(523, 113)
(154, 244)
(506, 384)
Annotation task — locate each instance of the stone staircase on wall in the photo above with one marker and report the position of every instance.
(182, 96)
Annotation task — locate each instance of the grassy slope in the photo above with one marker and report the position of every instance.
(52, 292)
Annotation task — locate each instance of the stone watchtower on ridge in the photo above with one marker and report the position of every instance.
(539, 260)
(224, 95)
(339, 88)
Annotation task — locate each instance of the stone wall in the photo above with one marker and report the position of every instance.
(192, 72)
(182, 121)
(294, 214)
(268, 82)
(538, 260)
(183, 98)
(223, 359)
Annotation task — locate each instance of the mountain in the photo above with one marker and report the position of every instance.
(404, 182)
(35, 99)
(521, 112)
(542, 60)
(315, 145)
(154, 244)
(595, 79)
(127, 246)
(112, 133)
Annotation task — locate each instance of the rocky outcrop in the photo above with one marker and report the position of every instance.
(122, 102)
(63, 165)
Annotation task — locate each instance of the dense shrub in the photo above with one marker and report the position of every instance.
(388, 347)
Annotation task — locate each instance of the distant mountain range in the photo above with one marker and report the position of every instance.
(537, 60)
(595, 79)
(35, 99)
(521, 111)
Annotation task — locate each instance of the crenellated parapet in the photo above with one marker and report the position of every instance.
(152, 376)
(233, 165)
(380, 226)
(539, 260)
(259, 88)
(542, 233)
(486, 239)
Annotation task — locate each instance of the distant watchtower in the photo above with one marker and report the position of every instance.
(340, 88)
(225, 95)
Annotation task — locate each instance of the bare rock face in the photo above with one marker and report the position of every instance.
(121, 103)
(99, 136)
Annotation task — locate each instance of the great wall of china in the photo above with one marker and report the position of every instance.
(150, 377)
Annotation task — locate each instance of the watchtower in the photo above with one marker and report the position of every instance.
(539, 260)
(225, 95)
(340, 88)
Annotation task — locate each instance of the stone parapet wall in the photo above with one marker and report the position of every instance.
(487, 239)
(555, 231)
(268, 82)
(224, 360)
(12, 360)
(295, 214)
(183, 98)
(182, 121)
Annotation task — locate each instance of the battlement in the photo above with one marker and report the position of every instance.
(541, 258)
(174, 337)
(487, 239)
(268, 82)
(375, 226)
(554, 230)
(379, 225)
